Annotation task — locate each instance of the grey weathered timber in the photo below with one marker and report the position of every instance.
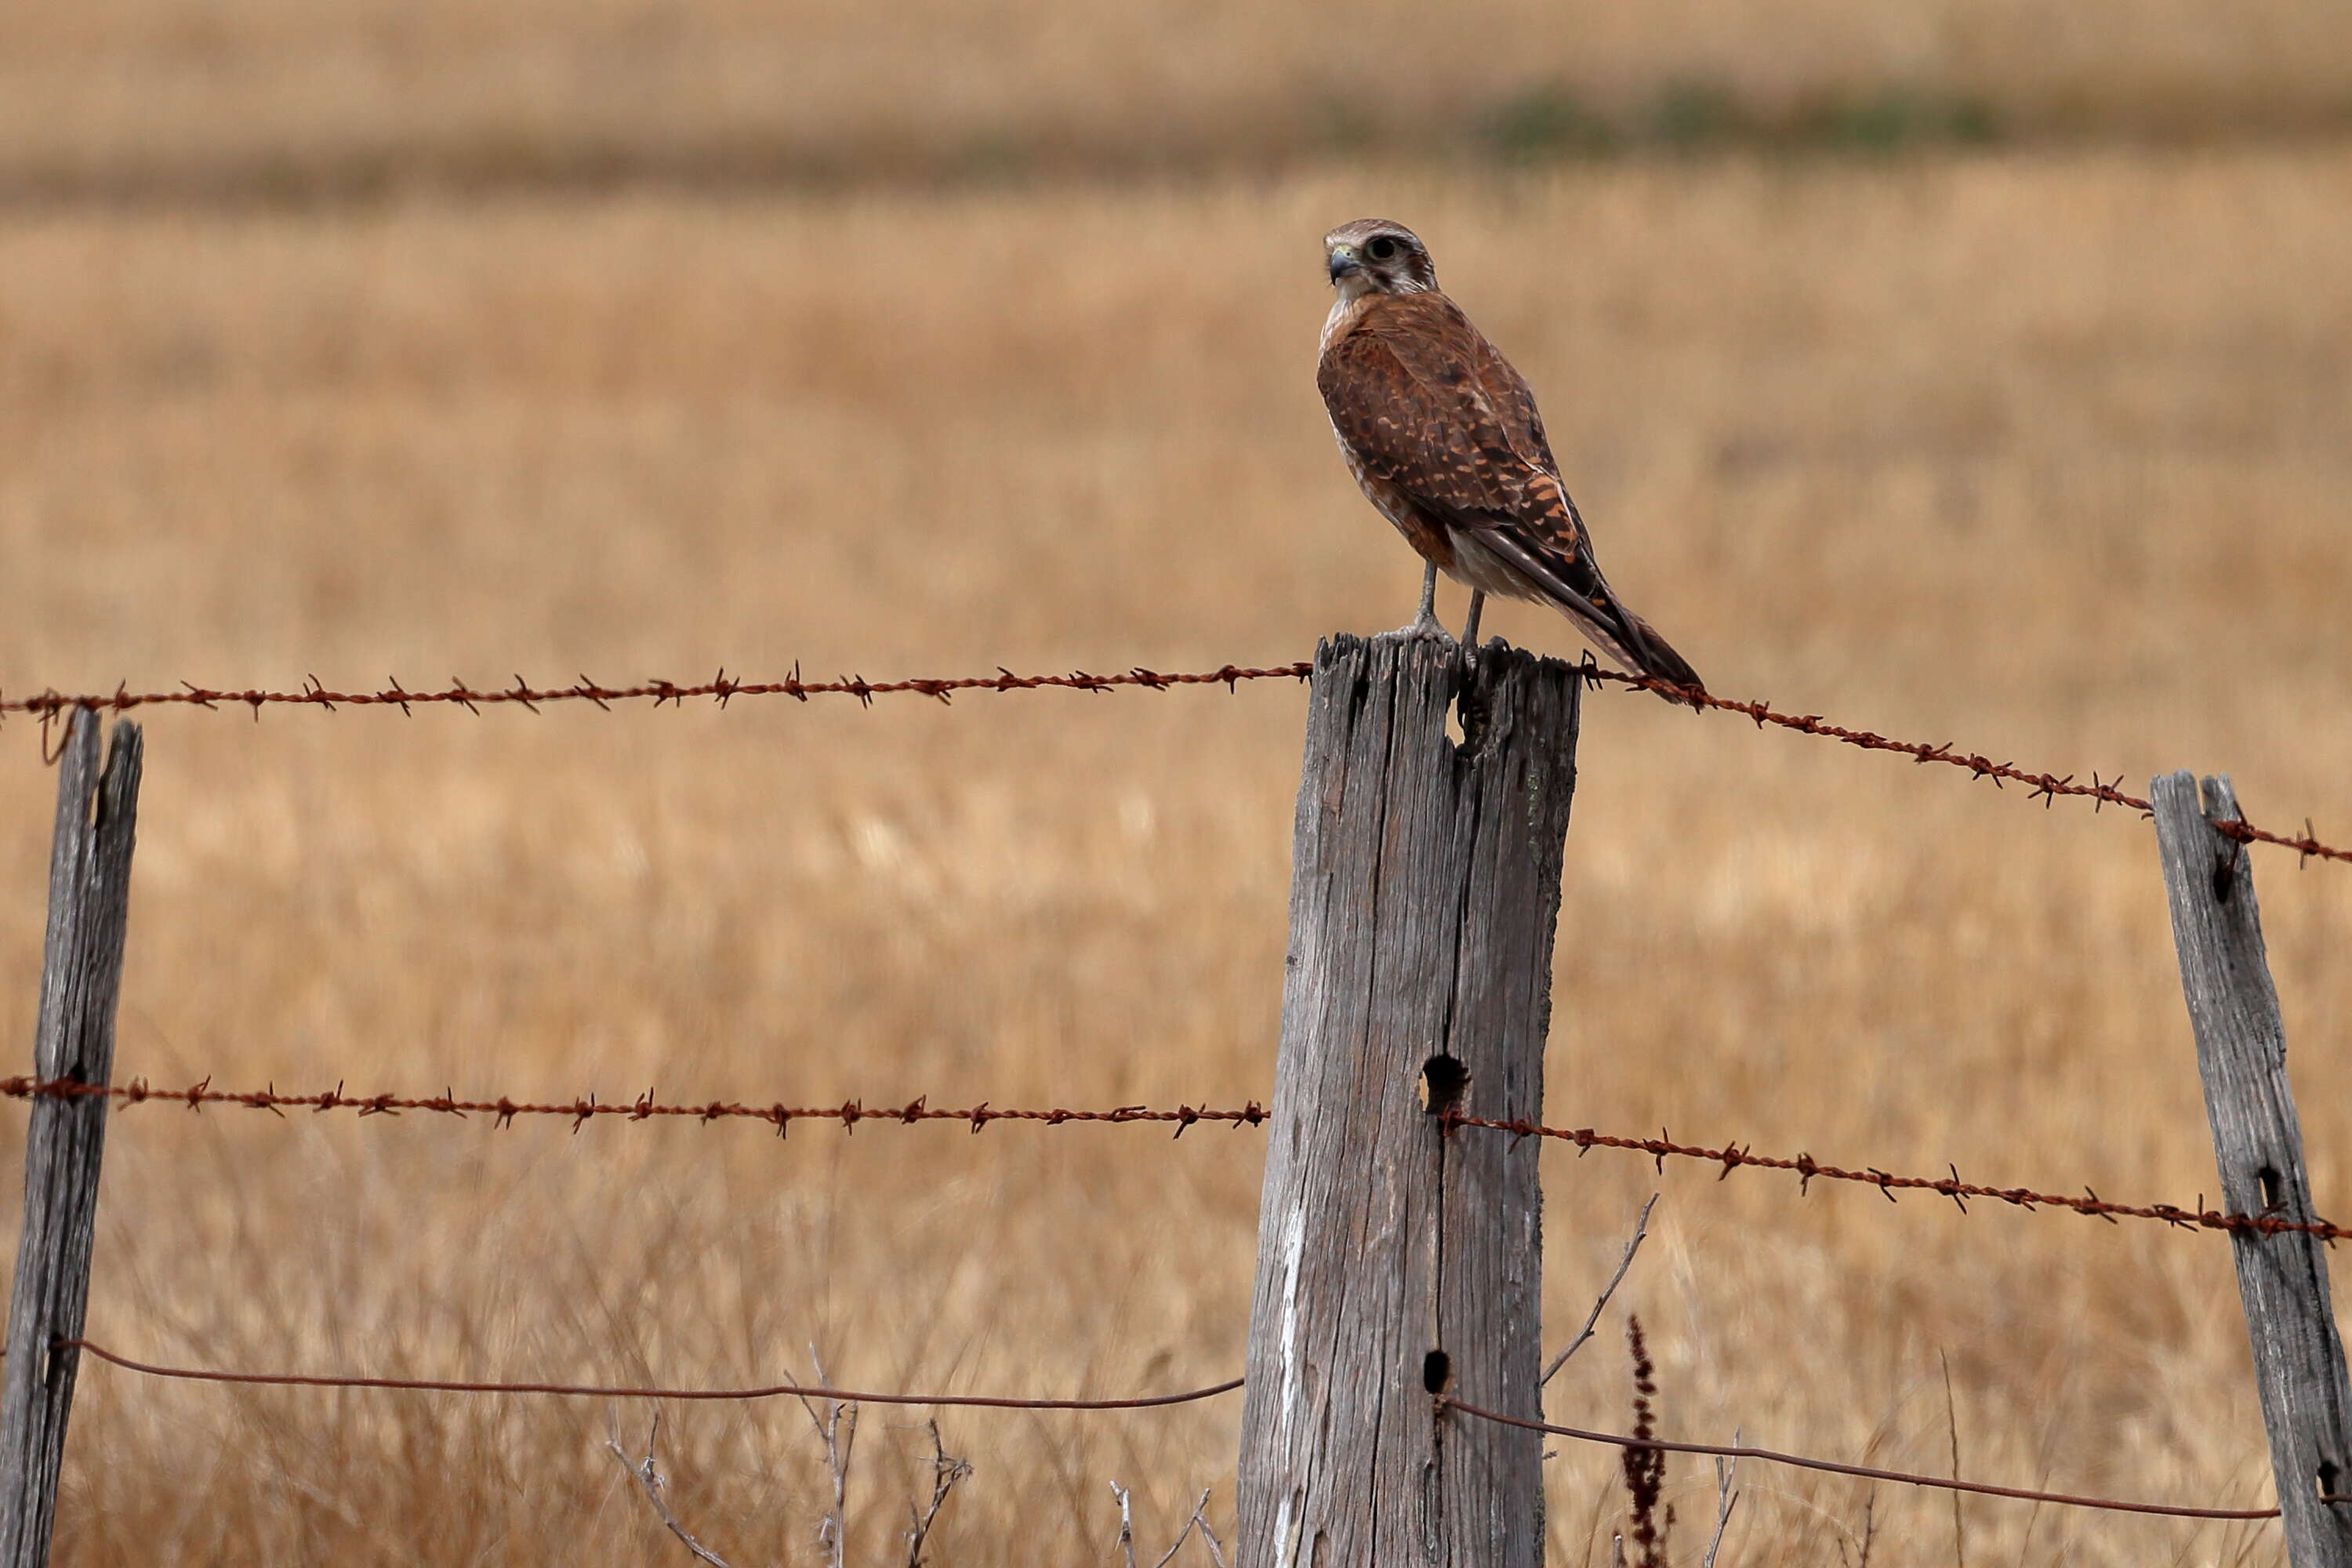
(2258, 1142)
(82, 973)
(1394, 1260)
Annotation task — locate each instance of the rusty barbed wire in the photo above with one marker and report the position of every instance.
(720, 688)
(644, 1107)
(771, 1391)
(2046, 787)
(49, 705)
(851, 1114)
(1733, 1156)
(1866, 1472)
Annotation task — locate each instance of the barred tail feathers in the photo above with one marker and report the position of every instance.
(1505, 560)
(1632, 643)
(1659, 661)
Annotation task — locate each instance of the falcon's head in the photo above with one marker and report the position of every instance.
(1373, 256)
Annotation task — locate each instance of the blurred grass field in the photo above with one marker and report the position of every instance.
(2040, 449)
(279, 100)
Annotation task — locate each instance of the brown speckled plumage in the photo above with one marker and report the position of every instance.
(1444, 438)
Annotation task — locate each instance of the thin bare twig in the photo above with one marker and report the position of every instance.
(1726, 1471)
(2054, 1406)
(1869, 1530)
(648, 1478)
(945, 1473)
(1952, 1427)
(1196, 1522)
(1201, 1518)
(1126, 1523)
(1640, 1230)
(840, 1438)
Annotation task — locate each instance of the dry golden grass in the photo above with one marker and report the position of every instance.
(285, 96)
(2045, 454)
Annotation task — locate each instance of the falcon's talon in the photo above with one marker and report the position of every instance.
(1424, 622)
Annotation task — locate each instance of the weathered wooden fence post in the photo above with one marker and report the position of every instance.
(2258, 1142)
(1395, 1261)
(82, 973)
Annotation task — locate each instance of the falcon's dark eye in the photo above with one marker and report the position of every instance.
(1382, 250)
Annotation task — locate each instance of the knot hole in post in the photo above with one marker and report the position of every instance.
(2328, 1492)
(1437, 1371)
(1444, 1080)
(2273, 1198)
(1469, 718)
(1470, 723)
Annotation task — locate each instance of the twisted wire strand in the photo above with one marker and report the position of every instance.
(1733, 1156)
(852, 1114)
(49, 705)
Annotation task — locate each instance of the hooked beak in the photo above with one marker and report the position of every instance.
(1344, 263)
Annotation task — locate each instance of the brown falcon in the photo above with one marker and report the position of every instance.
(1444, 438)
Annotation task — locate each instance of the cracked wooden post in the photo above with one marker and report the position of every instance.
(2258, 1143)
(1396, 1261)
(82, 973)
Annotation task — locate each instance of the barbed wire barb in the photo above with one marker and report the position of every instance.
(851, 1113)
(2046, 787)
(1807, 1169)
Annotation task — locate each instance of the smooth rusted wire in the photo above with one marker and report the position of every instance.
(602, 1391)
(1146, 1401)
(1835, 1467)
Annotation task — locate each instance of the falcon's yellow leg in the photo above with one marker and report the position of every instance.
(1470, 623)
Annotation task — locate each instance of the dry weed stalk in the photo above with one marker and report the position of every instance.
(1727, 1498)
(946, 1471)
(837, 1429)
(1869, 1533)
(1646, 1469)
(1197, 1523)
(648, 1478)
(1952, 1429)
(1640, 1232)
(1126, 1525)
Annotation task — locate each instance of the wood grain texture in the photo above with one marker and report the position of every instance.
(1425, 885)
(2258, 1143)
(82, 973)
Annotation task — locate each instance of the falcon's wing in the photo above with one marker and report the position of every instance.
(1426, 403)
(1409, 390)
